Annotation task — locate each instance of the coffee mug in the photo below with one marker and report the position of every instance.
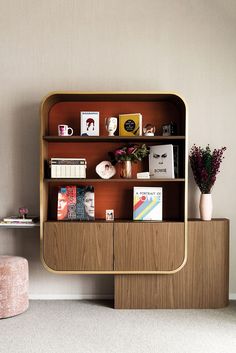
(65, 130)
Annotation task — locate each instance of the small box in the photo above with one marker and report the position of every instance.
(89, 123)
(68, 168)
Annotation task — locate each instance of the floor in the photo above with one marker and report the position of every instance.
(95, 327)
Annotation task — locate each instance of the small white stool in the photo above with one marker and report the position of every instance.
(14, 284)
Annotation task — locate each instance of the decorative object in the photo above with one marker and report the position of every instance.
(149, 130)
(130, 124)
(68, 168)
(129, 153)
(205, 166)
(105, 170)
(23, 211)
(89, 123)
(109, 215)
(161, 162)
(111, 125)
(65, 130)
(143, 175)
(169, 129)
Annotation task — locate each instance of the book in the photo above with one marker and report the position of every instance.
(17, 219)
(176, 160)
(161, 162)
(75, 203)
(130, 124)
(147, 204)
(89, 123)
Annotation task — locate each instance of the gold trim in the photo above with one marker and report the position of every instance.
(53, 93)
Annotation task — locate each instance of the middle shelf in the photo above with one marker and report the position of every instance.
(114, 180)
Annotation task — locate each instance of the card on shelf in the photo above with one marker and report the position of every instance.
(89, 123)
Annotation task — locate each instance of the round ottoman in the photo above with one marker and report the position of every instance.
(14, 283)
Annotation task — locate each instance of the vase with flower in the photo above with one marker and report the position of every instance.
(205, 165)
(126, 155)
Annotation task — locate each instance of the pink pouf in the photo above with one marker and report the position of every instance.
(14, 283)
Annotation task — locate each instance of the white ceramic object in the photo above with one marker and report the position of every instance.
(105, 170)
(111, 125)
(205, 207)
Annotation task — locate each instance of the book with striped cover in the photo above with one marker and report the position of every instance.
(147, 204)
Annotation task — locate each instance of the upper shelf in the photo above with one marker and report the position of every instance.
(110, 138)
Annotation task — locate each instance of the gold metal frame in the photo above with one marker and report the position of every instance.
(185, 257)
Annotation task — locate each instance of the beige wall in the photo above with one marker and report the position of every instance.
(186, 46)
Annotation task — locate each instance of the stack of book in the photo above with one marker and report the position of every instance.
(19, 221)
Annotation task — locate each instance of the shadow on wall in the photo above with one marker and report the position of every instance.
(25, 149)
(193, 196)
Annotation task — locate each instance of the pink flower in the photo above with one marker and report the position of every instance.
(120, 152)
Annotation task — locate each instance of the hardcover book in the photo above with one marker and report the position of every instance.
(130, 124)
(85, 208)
(17, 219)
(147, 204)
(89, 123)
(161, 162)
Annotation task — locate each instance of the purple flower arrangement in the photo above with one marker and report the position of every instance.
(130, 152)
(205, 165)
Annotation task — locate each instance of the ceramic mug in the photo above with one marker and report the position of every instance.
(65, 130)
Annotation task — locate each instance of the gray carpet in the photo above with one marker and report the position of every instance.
(94, 327)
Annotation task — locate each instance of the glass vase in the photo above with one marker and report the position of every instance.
(126, 169)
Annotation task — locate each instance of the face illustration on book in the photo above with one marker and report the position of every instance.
(62, 206)
(90, 124)
(89, 203)
(161, 162)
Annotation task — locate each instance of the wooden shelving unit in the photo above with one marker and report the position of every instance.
(155, 264)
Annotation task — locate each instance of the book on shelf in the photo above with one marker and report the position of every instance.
(130, 124)
(68, 168)
(161, 161)
(75, 203)
(19, 220)
(147, 204)
(89, 123)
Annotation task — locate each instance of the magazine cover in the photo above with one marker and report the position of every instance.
(147, 204)
(161, 162)
(62, 204)
(130, 124)
(85, 207)
(89, 123)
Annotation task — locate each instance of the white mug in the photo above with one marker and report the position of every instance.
(65, 130)
(111, 125)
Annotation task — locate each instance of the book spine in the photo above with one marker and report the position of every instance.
(71, 197)
(80, 212)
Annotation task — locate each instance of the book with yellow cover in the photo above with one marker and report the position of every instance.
(130, 124)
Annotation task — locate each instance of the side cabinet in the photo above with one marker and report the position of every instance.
(202, 283)
(74, 246)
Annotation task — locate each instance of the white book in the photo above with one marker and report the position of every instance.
(89, 123)
(161, 162)
(147, 204)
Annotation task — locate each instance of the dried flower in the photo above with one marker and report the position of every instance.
(205, 165)
(130, 152)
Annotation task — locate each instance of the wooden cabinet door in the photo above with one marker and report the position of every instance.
(74, 246)
(148, 246)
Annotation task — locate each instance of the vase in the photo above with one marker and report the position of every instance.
(205, 207)
(126, 169)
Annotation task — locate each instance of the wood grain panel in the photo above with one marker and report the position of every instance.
(202, 283)
(145, 246)
(75, 246)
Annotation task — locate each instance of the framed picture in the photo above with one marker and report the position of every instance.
(89, 123)
(109, 215)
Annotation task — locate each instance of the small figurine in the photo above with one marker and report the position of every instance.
(105, 170)
(23, 211)
(111, 125)
(149, 130)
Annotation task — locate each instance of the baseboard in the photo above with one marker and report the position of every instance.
(70, 296)
(232, 296)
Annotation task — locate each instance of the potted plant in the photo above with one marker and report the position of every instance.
(205, 165)
(128, 154)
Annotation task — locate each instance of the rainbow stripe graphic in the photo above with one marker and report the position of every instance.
(147, 204)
